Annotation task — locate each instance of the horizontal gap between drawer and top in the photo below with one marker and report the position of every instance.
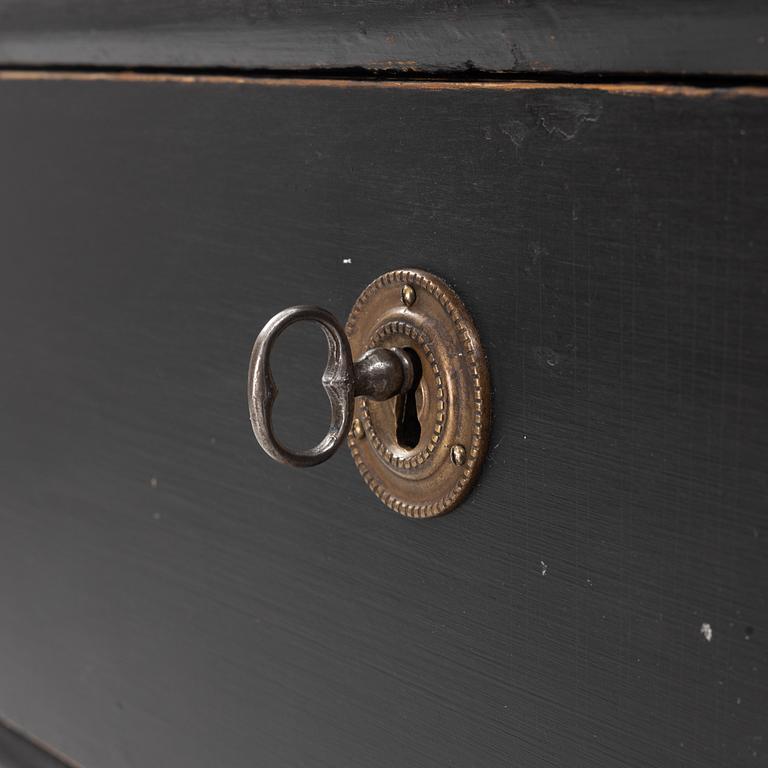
(626, 85)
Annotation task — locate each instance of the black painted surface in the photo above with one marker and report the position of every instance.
(599, 36)
(169, 596)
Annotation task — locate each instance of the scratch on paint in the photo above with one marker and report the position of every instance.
(567, 122)
(515, 131)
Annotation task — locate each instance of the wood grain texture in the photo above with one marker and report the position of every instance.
(600, 36)
(169, 596)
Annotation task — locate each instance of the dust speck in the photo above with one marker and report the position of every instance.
(544, 567)
(706, 630)
(153, 482)
(346, 261)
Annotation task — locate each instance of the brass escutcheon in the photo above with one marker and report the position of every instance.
(415, 403)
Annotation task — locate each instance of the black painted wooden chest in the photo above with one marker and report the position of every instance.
(592, 181)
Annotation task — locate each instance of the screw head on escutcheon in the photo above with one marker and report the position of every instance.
(408, 295)
(458, 455)
(357, 429)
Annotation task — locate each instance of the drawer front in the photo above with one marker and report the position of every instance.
(172, 597)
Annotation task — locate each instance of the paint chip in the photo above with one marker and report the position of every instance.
(346, 261)
(544, 567)
(706, 630)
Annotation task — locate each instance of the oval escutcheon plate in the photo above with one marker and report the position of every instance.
(421, 452)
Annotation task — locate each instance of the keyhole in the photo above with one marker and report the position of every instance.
(408, 426)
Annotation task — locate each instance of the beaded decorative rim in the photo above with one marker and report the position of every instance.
(434, 477)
